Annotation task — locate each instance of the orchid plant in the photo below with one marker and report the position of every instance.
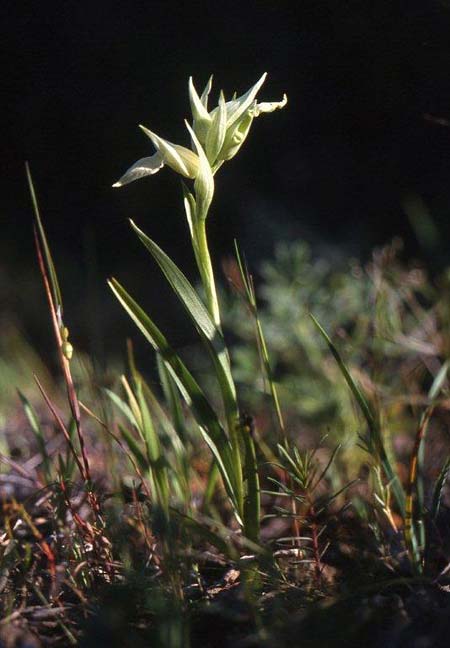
(216, 137)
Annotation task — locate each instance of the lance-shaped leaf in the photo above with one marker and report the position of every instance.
(123, 407)
(175, 426)
(56, 292)
(156, 458)
(197, 311)
(205, 416)
(134, 447)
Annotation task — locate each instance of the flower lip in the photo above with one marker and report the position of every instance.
(269, 106)
(143, 167)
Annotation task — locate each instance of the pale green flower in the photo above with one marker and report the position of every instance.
(223, 130)
(216, 135)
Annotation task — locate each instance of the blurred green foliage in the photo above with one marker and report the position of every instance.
(386, 318)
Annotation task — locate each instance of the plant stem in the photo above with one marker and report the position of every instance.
(232, 414)
(206, 272)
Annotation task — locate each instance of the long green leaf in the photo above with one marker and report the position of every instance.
(148, 429)
(157, 460)
(123, 407)
(135, 450)
(263, 351)
(209, 424)
(172, 397)
(56, 292)
(355, 389)
(210, 334)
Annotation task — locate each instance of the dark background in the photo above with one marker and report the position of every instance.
(366, 133)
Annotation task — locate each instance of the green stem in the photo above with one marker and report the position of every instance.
(207, 276)
(206, 272)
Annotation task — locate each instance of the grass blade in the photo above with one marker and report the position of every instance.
(135, 450)
(375, 436)
(123, 407)
(171, 395)
(439, 487)
(56, 292)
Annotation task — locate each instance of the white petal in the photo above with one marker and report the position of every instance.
(143, 167)
(241, 104)
(269, 106)
(206, 91)
(217, 131)
(199, 112)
